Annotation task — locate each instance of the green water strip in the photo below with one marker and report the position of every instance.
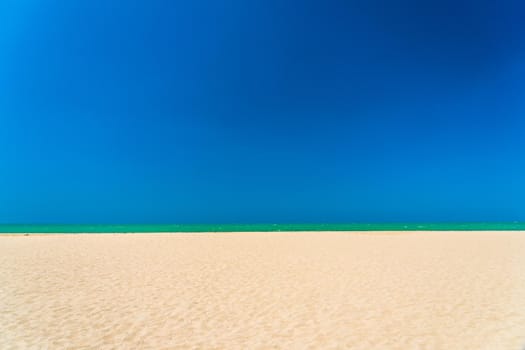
(136, 228)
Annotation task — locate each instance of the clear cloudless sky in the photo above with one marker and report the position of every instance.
(278, 111)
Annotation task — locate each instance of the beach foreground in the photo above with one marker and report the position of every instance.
(319, 290)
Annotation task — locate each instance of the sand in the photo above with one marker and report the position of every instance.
(304, 290)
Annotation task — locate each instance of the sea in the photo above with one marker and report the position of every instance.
(175, 228)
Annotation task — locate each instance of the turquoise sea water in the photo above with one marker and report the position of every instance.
(18, 228)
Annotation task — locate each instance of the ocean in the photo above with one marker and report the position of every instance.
(139, 228)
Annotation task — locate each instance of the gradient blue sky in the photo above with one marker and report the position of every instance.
(261, 111)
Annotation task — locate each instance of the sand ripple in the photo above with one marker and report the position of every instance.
(431, 290)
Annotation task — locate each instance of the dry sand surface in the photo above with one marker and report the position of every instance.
(309, 290)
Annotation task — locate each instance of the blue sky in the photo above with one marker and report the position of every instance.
(261, 111)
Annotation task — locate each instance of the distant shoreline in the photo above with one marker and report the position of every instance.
(189, 228)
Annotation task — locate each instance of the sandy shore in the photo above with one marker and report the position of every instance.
(322, 290)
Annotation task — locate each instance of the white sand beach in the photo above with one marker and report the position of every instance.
(301, 290)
